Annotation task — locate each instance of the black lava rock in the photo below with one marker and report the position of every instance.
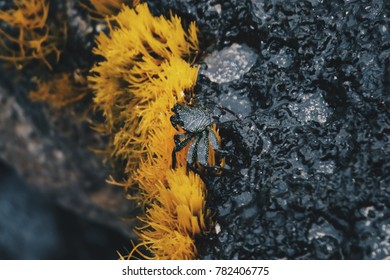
(308, 166)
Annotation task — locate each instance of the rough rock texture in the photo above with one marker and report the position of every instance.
(309, 156)
(34, 226)
(60, 166)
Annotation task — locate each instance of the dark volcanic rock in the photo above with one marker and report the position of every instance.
(309, 174)
(33, 226)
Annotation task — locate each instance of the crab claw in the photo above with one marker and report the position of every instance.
(175, 121)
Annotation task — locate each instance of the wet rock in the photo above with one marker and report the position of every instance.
(229, 64)
(56, 165)
(312, 147)
(33, 226)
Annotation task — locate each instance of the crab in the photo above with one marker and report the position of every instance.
(197, 123)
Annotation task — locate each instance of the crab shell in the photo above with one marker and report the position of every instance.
(191, 119)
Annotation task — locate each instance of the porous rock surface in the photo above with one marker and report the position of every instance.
(309, 156)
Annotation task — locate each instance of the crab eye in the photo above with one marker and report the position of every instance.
(180, 122)
(176, 121)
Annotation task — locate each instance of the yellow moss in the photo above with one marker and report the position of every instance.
(134, 53)
(147, 70)
(35, 39)
(171, 245)
(144, 74)
(28, 14)
(103, 8)
(175, 217)
(62, 90)
(153, 169)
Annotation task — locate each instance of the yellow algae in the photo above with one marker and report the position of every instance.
(145, 72)
(102, 8)
(175, 217)
(134, 53)
(62, 90)
(147, 69)
(34, 39)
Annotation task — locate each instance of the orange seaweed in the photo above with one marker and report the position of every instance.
(34, 38)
